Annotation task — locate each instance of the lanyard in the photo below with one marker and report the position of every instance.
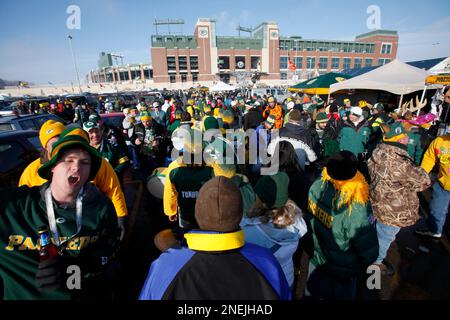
(51, 214)
(101, 147)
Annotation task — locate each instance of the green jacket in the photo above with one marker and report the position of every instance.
(174, 126)
(414, 145)
(187, 181)
(115, 156)
(353, 138)
(23, 211)
(344, 244)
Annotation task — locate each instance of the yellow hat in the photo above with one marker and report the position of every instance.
(362, 103)
(346, 100)
(271, 99)
(50, 129)
(145, 116)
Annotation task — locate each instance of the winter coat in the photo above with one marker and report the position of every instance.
(252, 119)
(305, 142)
(354, 138)
(277, 111)
(215, 266)
(439, 153)
(282, 242)
(395, 181)
(345, 243)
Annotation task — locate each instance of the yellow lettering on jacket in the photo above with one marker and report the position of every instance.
(22, 243)
(28, 244)
(14, 240)
(320, 214)
(83, 242)
(73, 244)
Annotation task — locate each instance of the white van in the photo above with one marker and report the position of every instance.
(278, 93)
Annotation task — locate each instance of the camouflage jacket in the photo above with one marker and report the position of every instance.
(395, 181)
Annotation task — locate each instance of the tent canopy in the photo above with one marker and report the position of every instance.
(320, 84)
(442, 67)
(395, 77)
(440, 73)
(222, 86)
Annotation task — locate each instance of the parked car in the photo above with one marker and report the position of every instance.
(82, 99)
(8, 110)
(114, 119)
(17, 150)
(26, 122)
(279, 93)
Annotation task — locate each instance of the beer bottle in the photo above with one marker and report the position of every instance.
(48, 248)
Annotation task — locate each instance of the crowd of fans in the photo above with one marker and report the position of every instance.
(345, 182)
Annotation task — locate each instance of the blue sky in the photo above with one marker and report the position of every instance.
(34, 47)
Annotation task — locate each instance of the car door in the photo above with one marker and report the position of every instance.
(14, 158)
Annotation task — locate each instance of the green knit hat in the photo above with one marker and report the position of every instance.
(210, 123)
(319, 101)
(70, 139)
(273, 190)
(321, 117)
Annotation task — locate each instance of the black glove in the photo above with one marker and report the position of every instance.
(267, 112)
(48, 276)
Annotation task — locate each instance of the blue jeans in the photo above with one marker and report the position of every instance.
(438, 208)
(134, 157)
(386, 235)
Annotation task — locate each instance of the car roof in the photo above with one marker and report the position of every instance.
(8, 118)
(109, 115)
(15, 133)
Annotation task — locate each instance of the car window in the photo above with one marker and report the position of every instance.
(35, 142)
(11, 155)
(13, 161)
(114, 121)
(5, 126)
(39, 121)
(27, 124)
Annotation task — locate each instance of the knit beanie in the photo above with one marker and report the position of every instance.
(210, 123)
(273, 190)
(321, 117)
(50, 129)
(295, 115)
(219, 205)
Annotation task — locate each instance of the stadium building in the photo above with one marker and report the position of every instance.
(265, 55)
(204, 56)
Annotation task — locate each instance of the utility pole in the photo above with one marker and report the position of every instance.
(74, 61)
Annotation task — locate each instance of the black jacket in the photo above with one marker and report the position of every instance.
(252, 119)
(299, 132)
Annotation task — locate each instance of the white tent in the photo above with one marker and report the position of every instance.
(442, 67)
(395, 77)
(222, 86)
